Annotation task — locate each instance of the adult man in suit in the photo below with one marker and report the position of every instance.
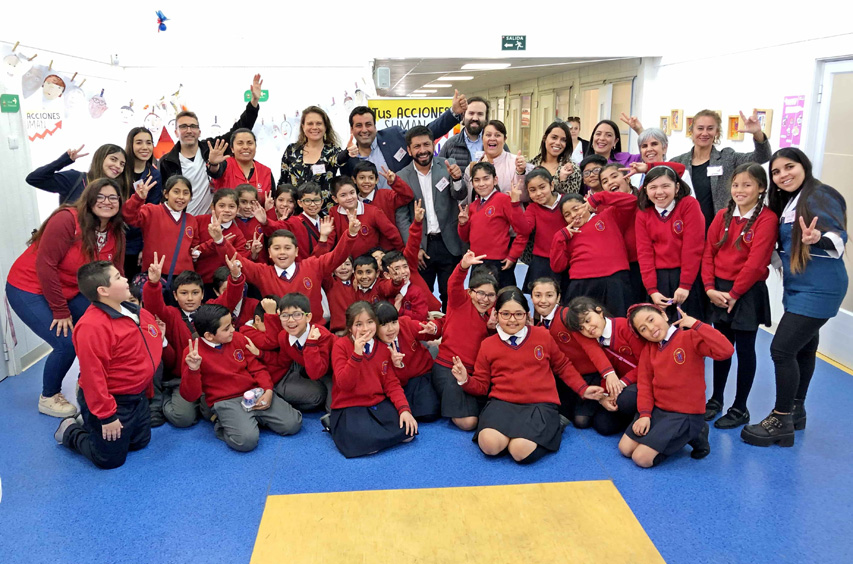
(439, 185)
(387, 147)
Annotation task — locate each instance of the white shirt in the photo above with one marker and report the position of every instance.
(371, 344)
(519, 336)
(789, 215)
(359, 210)
(405, 288)
(486, 199)
(227, 224)
(301, 339)
(371, 197)
(425, 181)
(210, 343)
(289, 270)
(670, 333)
(607, 333)
(368, 288)
(550, 316)
(668, 208)
(176, 215)
(127, 313)
(554, 205)
(747, 215)
(195, 170)
(314, 220)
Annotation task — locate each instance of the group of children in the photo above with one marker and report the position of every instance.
(240, 336)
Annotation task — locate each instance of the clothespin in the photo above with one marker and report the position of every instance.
(82, 83)
(50, 66)
(16, 46)
(73, 77)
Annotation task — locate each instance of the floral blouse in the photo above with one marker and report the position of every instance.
(570, 185)
(297, 172)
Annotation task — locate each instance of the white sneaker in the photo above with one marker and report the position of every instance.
(56, 406)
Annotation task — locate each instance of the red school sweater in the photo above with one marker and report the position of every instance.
(414, 304)
(569, 343)
(545, 222)
(160, 232)
(674, 242)
(671, 375)
(413, 246)
(418, 361)
(373, 224)
(599, 249)
(747, 265)
(487, 228)
(249, 228)
(623, 351)
(523, 373)
(340, 294)
(306, 233)
(388, 201)
(364, 380)
(463, 328)
(117, 356)
(208, 261)
(315, 356)
(306, 279)
(225, 373)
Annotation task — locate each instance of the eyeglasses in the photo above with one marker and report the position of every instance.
(484, 296)
(296, 316)
(518, 315)
(186, 126)
(588, 173)
(112, 198)
(310, 201)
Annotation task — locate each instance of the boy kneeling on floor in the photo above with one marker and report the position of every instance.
(224, 365)
(119, 346)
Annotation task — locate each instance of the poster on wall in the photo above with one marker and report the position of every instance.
(409, 112)
(792, 121)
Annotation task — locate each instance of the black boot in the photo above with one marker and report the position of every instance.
(701, 446)
(712, 409)
(774, 429)
(733, 418)
(799, 415)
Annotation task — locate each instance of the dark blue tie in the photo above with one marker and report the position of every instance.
(366, 348)
(298, 345)
(663, 214)
(284, 276)
(546, 323)
(218, 347)
(347, 283)
(366, 200)
(601, 340)
(513, 340)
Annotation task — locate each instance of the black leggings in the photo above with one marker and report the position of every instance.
(793, 351)
(744, 342)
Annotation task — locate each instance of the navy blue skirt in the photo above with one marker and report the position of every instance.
(611, 291)
(422, 398)
(694, 305)
(364, 430)
(540, 267)
(537, 422)
(454, 401)
(669, 431)
(751, 310)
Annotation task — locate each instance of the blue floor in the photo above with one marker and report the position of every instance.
(188, 498)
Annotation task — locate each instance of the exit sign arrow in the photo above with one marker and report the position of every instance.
(513, 43)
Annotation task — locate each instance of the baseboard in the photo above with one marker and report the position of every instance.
(34, 356)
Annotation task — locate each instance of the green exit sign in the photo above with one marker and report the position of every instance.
(10, 103)
(265, 95)
(513, 42)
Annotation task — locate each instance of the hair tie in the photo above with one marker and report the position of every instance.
(634, 308)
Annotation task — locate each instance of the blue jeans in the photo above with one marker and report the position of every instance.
(34, 310)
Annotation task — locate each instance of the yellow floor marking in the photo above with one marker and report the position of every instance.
(838, 365)
(582, 522)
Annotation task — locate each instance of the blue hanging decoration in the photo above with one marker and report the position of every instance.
(161, 18)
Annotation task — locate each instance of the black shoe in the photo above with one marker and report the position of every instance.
(733, 418)
(701, 446)
(712, 408)
(325, 421)
(799, 415)
(157, 418)
(63, 427)
(564, 422)
(774, 429)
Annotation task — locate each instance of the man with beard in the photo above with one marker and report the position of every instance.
(467, 145)
(438, 184)
(387, 147)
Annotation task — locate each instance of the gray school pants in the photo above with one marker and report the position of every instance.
(240, 428)
(302, 392)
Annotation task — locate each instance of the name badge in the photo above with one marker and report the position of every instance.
(478, 155)
(442, 184)
(318, 169)
(400, 154)
(790, 216)
(715, 170)
(137, 184)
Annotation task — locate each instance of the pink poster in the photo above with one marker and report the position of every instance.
(792, 121)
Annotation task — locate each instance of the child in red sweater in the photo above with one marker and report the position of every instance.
(225, 210)
(462, 330)
(374, 223)
(592, 247)
(516, 369)
(670, 231)
(734, 267)
(223, 365)
(544, 218)
(249, 226)
(340, 292)
(366, 176)
(369, 408)
(485, 223)
(671, 385)
(412, 360)
(315, 236)
(410, 300)
(244, 311)
(119, 347)
(167, 228)
(612, 179)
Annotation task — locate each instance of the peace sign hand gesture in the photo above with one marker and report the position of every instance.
(515, 191)
(142, 188)
(632, 121)
(354, 223)
(234, 265)
(634, 168)
(217, 152)
(420, 212)
(459, 371)
(257, 244)
(463, 214)
(75, 154)
(389, 175)
(193, 359)
(155, 269)
(810, 234)
(215, 229)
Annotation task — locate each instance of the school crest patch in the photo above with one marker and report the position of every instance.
(678, 227)
(490, 211)
(189, 231)
(564, 337)
(307, 283)
(626, 350)
(539, 352)
(414, 346)
(365, 230)
(385, 367)
(599, 225)
(258, 230)
(238, 355)
(679, 356)
(748, 236)
(152, 330)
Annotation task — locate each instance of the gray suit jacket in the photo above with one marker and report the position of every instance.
(730, 160)
(445, 203)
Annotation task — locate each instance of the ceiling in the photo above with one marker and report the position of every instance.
(413, 73)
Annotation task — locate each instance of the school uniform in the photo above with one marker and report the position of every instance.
(414, 304)
(542, 223)
(307, 233)
(416, 374)
(172, 234)
(411, 252)
(462, 331)
(487, 231)
(307, 383)
(340, 295)
(388, 201)
(517, 372)
(119, 353)
(669, 249)
(374, 223)
(596, 258)
(250, 228)
(227, 371)
(367, 399)
(244, 311)
(208, 260)
(671, 386)
(260, 176)
(303, 276)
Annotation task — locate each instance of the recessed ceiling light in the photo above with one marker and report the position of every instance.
(439, 85)
(485, 66)
(424, 91)
(456, 77)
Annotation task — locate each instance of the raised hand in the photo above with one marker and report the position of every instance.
(460, 103)
(459, 371)
(269, 202)
(252, 348)
(566, 170)
(810, 234)
(420, 212)
(215, 229)
(396, 357)
(75, 154)
(634, 168)
(352, 148)
(314, 334)
(354, 223)
(193, 359)
(749, 124)
(520, 163)
(217, 152)
(408, 421)
(257, 244)
(429, 327)
(454, 170)
(463, 214)
(469, 259)
(142, 188)
(269, 305)
(234, 265)
(389, 175)
(327, 225)
(359, 342)
(162, 325)
(257, 85)
(633, 122)
(155, 269)
(686, 322)
(515, 191)
(259, 213)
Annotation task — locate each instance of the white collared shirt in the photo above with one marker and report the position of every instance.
(301, 339)
(550, 316)
(486, 199)
(315, 221)
(372, 344)
(359, 209)
(175, 214)
(506, 336)
(368, 288)
(425, 181)
(668, 209)
(189, 314)
(290, 270)
(747, 215)
(670, 333)
(405, 288)
(227, 225)
(371, 197)
(554, 205)
(210, 343)
(607, 333)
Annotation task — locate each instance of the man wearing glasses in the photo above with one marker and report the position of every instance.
(199, 161)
